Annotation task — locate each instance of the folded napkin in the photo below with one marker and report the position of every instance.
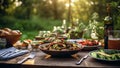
(11, 52)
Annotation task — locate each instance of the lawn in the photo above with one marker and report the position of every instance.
(29, 27)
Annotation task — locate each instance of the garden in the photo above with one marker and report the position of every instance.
(33, 16)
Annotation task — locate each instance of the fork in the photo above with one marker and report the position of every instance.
(32, 55)
(80, 61)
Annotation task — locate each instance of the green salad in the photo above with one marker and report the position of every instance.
(106, 54)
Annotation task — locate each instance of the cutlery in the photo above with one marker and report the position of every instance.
(80, 61)
(32, 55)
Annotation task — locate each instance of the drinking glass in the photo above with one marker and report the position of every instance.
(114, 39)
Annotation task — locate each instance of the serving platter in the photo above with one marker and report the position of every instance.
(89, 45)
(105, 55)
(59, 53)
(90, 48)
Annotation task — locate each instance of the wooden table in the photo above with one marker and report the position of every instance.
(45, 61)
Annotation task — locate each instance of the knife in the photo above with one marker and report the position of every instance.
(32, 55)
(80, 61)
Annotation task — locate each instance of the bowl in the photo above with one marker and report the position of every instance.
(59, 53)
(11, 39)
(90, 48)
(39, 38)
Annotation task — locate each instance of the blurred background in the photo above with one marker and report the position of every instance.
(32, 16)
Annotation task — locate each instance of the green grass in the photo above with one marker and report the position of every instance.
(29, 27)
(29, 35)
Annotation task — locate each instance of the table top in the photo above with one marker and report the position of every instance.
(43, 60)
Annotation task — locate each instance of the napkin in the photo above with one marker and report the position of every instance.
(11, 52)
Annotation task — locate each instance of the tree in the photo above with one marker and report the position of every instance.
(6, 7)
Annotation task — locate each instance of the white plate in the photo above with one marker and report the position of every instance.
(74, 40)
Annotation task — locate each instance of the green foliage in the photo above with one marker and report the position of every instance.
(29, 28)
(7, 21)
(35, 15)
(29, 34)
(115, 13)
(94, 27)
(35, 23)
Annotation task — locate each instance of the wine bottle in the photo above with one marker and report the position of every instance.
(108, 25)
